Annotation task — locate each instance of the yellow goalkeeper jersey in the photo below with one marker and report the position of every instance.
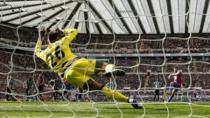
(58, 55)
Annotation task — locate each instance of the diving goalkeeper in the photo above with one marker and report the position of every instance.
(76, 70)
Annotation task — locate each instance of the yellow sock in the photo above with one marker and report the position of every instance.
(114, 94)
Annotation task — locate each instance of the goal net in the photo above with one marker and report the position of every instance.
(146, 38)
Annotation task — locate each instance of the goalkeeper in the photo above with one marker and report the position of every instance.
(73, 69)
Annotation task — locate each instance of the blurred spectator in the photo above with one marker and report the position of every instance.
(111, 83)
(157, 89)
(79, 95)
(40, 85)
(68, 88)
(29, 86)
(9, 89)
(136, 67)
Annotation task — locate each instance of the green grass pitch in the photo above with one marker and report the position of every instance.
(102, 110)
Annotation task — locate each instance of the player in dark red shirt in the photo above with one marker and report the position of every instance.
(177, 82)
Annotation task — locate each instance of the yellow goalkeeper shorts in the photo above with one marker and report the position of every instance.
(80, 71)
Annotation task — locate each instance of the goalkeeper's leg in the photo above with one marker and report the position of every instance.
(91, 84)
(172, 95)
(79, 74)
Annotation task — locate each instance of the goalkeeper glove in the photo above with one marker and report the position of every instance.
(43, 33)
(60, 32)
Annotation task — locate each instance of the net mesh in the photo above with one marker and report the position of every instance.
(37, 91)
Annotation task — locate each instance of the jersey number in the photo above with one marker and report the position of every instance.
(58, 55)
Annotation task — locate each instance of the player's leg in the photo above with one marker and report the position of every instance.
(158, 94)
(175, 89)
(155, 95)
(7, 95)
(86, 82)
(111, 69)
(81, 70)
(171, 87)
(172, 95)
(80, 73)
(91, 84)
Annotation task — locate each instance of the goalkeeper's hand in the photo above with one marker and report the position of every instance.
(60, 32)
(43, 33)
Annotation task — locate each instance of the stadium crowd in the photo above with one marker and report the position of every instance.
(102, 44)
(26, 67)
(22, 66)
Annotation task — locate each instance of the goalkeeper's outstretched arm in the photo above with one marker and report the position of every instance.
(38, 50)
(70, 35)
